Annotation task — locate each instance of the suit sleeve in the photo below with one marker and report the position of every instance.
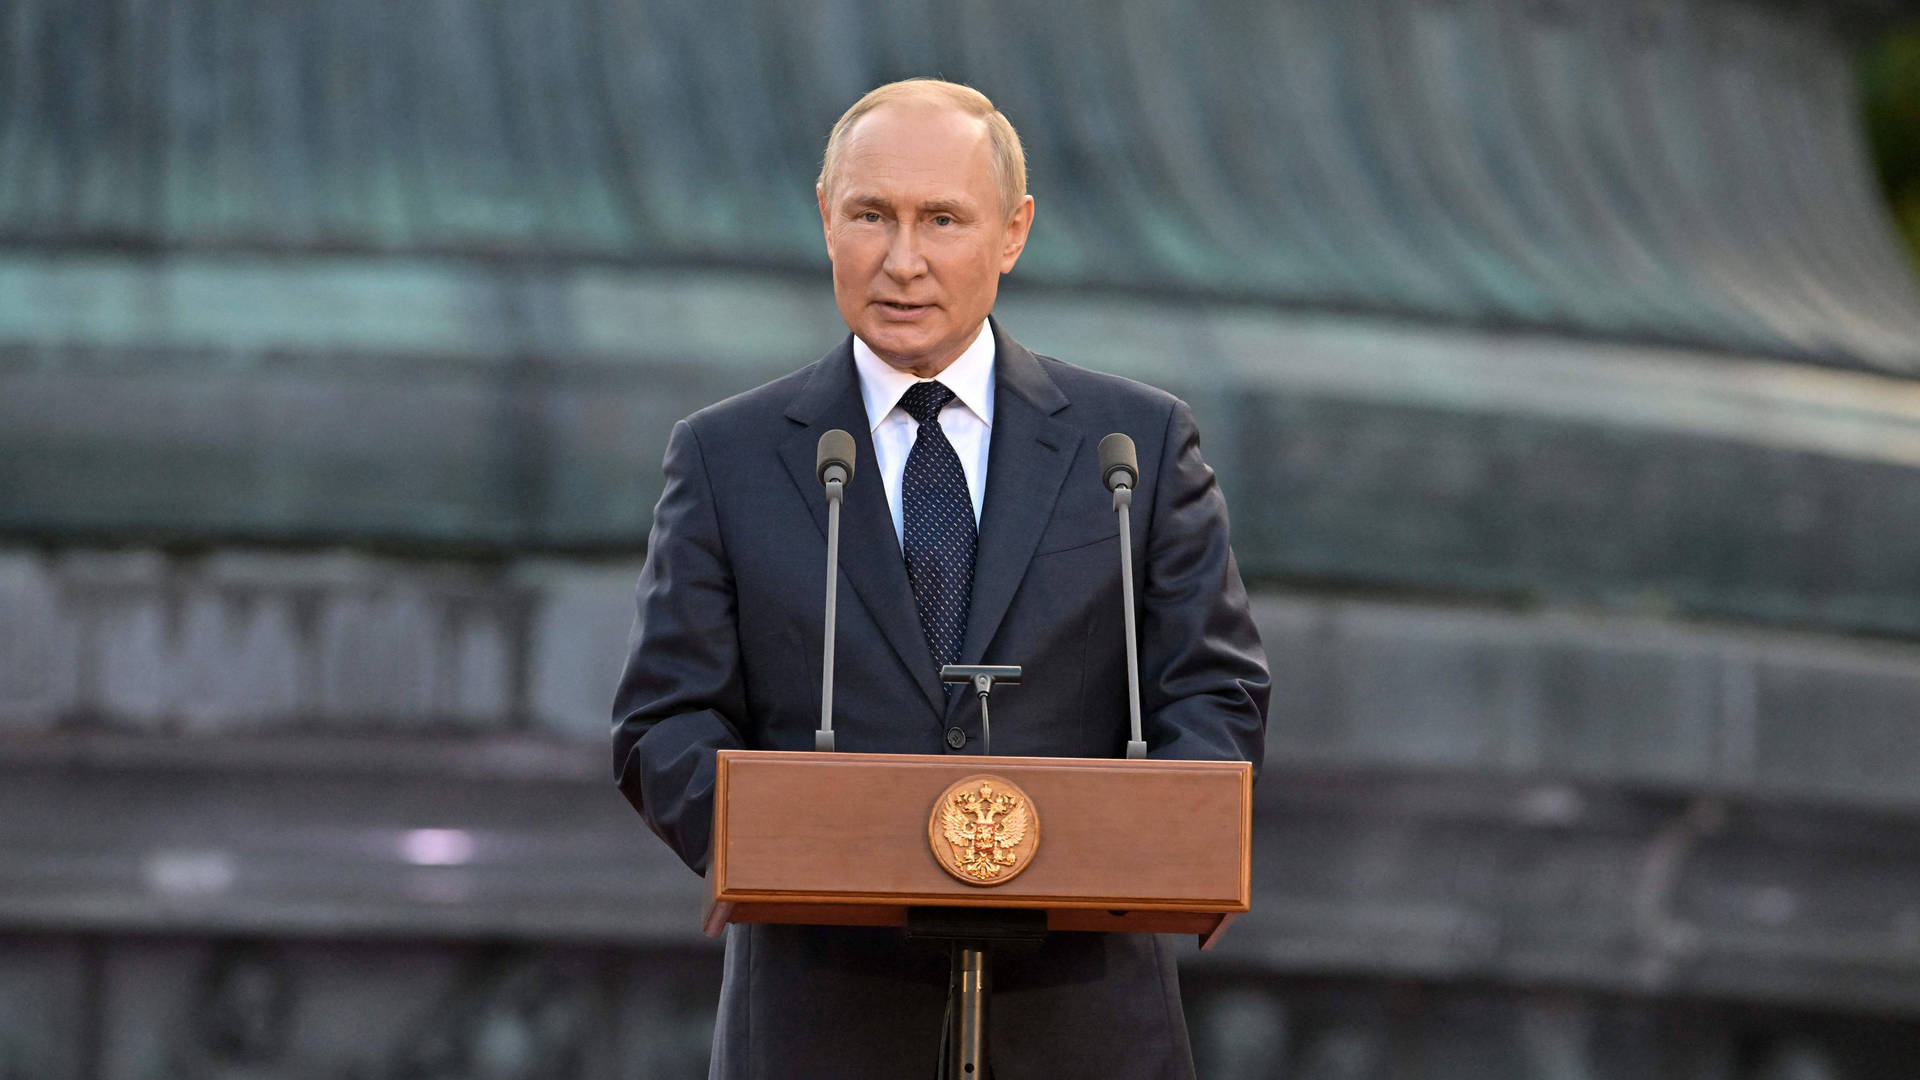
(1203, 673)
(680, 698)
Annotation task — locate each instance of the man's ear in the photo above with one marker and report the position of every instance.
(826, 222)
(1019, 224)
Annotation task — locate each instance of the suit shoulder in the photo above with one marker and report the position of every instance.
(1085, 384)
(762, 405)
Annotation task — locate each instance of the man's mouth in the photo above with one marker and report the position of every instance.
(894, 305)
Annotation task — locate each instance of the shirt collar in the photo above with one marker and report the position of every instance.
(970, 377)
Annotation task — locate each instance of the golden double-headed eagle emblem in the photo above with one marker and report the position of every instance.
(983, 830)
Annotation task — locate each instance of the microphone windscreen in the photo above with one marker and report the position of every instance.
(1118, 465)
(836, 448)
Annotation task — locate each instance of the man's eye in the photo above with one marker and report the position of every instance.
(942, 219)
(869, 216)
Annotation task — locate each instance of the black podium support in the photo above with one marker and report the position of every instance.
(970, 935)
(963, 1050)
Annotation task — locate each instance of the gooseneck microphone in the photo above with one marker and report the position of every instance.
(982, 676)
(1120, 471)
(833, 464)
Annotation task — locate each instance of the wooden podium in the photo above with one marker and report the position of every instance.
(853, 840)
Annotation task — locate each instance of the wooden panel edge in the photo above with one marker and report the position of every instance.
(1066, 920)
(1246, 838)
(1212, 937)
(717, 836)
(820, 914)
(719, 914)
(1090, 903)
(973, 763)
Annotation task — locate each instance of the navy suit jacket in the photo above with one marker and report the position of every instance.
(726, 652)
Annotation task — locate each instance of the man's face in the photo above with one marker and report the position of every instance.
(916, 232)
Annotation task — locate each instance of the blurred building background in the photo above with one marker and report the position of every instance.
(1558, 359)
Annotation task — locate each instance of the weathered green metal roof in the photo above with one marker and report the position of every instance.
(1686, 172)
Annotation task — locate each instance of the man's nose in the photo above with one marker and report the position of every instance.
(904, 261)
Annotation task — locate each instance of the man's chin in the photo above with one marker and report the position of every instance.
(903, 351)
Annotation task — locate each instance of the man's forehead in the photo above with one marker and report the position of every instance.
(919, 112)
(917, 128)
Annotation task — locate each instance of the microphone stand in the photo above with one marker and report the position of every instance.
(1122, 503)
(834, 464)
(823, 738)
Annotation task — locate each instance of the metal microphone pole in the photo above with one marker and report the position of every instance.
(833, 463)
(1119, 470)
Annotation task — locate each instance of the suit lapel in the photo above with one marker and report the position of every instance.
(870, 558)
(1027, 461)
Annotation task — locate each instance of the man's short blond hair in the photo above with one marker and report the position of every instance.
(1009, 160)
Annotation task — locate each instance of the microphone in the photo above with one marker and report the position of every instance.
(833, 459)
(833, 464)
(1118, 464)
(982, 676)
(1120, 471)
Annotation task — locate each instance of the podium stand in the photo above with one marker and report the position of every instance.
(856, 840)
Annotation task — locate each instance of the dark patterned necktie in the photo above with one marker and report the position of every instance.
(937, 528)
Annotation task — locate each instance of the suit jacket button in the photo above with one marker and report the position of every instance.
(956, 738)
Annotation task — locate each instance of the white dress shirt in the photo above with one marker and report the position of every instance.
(967, 420)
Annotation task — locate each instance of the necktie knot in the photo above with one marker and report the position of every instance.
(923, 401)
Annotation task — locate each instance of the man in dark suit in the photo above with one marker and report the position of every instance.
(976, 530)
